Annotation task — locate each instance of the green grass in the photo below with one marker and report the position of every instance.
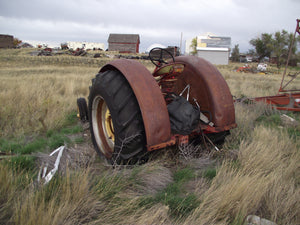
(210, 173)
(34, 146)
(70, 119)
(180, 206)
(51, 140)
(275, 121)
(108, 186)
(180, 203)
(12, 183)
(269, 120)
(22, 163)
(9, 146)
(19, 146)
(72, 130)
(183, 175)
(294, 132)
(57, 140)
(22, 148)
(52, 190)
(238, 220)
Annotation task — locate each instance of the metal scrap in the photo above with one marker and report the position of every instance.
(49, 176)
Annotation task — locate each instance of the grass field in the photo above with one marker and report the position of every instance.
(256, 172)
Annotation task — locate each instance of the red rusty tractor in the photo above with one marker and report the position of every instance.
(133, 112)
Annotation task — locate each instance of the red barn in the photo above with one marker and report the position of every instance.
(6, 41)
(124, 43)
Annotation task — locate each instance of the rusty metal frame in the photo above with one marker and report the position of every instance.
(282, 88)
(148, 94)
(286, 101)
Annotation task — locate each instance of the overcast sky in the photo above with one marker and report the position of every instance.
(156, 21)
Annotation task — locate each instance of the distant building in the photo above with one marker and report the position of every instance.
(124, 43)
(83, 44)
(6, 41)
(214, 49)
(24, 45)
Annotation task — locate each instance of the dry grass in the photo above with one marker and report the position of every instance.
(10, 184)
(39, 98)
(265, 182)
(37, 93)
(255, 85)
(262, 178)
(81, 198)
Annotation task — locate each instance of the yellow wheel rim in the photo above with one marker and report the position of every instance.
(78, 113)
(102, 126)
(109, 125)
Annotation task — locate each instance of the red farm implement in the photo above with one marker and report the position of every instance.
(286, 99)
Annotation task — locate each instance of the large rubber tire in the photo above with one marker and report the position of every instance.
(82, 109)
(120, 135)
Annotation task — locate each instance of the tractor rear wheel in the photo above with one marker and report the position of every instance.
(116, 122)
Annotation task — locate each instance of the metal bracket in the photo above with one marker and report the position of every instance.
(203, 118)
(188, 91)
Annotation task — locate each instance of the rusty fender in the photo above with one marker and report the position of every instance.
(152, 104)
(209, 88)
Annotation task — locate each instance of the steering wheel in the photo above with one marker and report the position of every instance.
(159, 55)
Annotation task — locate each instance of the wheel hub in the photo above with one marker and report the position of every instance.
(103, 126)
(109, 125)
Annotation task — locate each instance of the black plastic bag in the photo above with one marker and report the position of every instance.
(184, 117)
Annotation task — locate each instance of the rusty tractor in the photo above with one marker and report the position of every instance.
(132, 112)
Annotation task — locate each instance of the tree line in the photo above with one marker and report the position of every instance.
(269, 45)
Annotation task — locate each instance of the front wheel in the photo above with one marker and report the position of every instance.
(116, 123)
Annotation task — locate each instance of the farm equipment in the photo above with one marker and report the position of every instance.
(286, 99)
(132, 112)
(261, 69)
(45, 52)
